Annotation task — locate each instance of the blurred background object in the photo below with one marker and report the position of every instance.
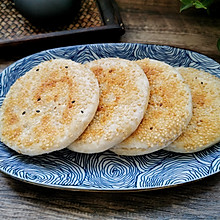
(28, 26)
(48, 12)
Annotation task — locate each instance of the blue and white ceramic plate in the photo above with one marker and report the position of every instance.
(106, 171)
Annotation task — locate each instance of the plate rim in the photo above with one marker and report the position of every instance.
(105, 190)
(96, 189)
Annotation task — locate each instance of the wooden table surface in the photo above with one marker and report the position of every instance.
(146, 21)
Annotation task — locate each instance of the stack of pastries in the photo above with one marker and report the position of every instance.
(129, 107)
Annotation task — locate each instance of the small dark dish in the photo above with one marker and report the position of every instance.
(48, 12)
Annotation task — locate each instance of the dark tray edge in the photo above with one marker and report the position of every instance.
(111, 19)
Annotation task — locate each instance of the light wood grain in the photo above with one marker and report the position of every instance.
(146, 21)
(159, 22)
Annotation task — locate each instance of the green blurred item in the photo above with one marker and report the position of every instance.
(204, 4)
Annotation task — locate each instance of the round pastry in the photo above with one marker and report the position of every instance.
(49, 107)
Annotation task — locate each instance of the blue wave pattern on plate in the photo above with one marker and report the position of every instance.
(107, 171)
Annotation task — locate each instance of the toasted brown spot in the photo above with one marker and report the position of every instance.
(11, 118)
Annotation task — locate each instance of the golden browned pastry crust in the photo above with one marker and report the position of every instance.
(124, 92)
(204, 127)
(49, 107)
(168, 113)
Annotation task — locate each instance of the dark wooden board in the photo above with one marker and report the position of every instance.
(95, 22)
